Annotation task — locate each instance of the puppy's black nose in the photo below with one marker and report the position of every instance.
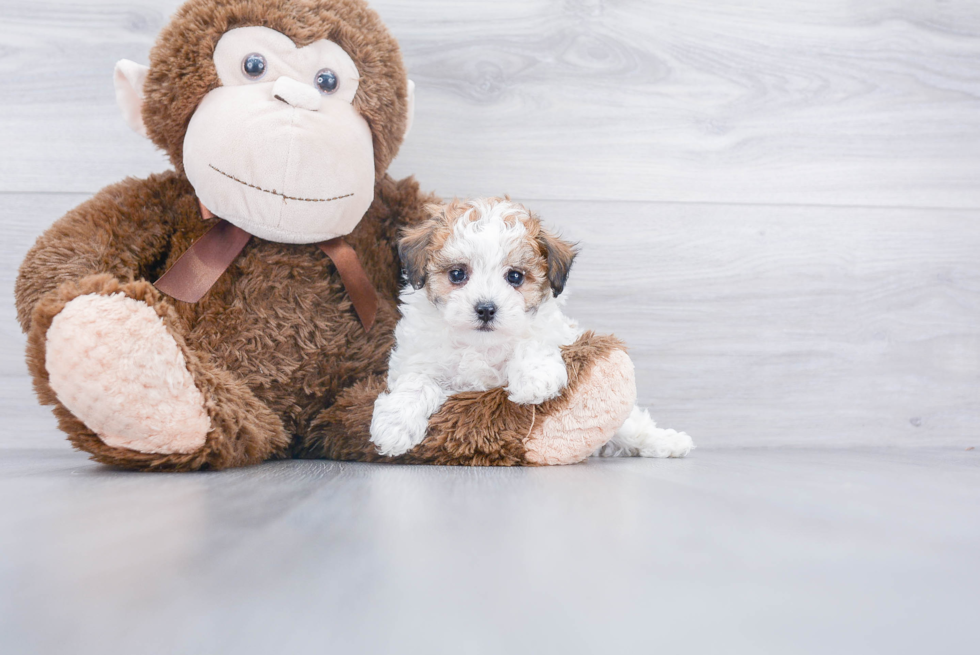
(485, 311)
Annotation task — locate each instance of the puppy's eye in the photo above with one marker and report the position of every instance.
(254, 66)
(327, 82)
(457, 276)
(516, 278)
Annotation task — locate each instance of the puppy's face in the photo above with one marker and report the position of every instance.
(486, 265)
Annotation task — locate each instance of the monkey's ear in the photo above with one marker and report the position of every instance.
(561, 254)
(411, 108)
(128, 79)
(413, 250)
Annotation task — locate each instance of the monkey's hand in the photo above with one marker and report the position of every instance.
(535, 374)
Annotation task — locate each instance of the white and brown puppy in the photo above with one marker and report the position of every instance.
(483, 311)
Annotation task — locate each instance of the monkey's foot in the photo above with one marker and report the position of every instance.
(114, 365)
(595, 408)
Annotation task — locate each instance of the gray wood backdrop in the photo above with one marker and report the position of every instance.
(778, 200)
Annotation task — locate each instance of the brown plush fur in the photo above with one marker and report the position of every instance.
(275, 347)
(471, 429)
(244, 430)
(277, 332)
(182, 71)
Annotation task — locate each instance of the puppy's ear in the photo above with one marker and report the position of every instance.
(561, 254)
(415, 246)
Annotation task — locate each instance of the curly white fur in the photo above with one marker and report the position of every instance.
(640, 437)
(433, 360)
(440, 350)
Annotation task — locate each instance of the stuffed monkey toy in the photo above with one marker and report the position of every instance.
(240, 308)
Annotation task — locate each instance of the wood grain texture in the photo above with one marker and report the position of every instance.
(663, 135)
(748, 325)
(783, 325)
(809, 551)
(838, 102)
(22, 219)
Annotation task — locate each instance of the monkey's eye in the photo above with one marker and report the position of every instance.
(515, 278)
(254, 66)
(457, 276)
(327, 82)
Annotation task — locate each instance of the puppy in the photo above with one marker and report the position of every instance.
(482, 311)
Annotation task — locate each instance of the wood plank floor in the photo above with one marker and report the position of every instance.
(778, 203)
(731, 551)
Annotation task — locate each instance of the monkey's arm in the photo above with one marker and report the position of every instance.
(123, 231)
(485, 428)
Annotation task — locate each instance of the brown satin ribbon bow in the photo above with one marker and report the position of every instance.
(198, 269)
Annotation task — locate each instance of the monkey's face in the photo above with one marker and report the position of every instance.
(279, 150)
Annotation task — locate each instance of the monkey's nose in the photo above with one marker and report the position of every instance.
(485, 311)
(296, 94)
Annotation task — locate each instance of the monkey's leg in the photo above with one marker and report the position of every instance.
(486, 429)
(127, 388)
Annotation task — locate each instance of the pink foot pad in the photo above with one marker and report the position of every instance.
(114, 365)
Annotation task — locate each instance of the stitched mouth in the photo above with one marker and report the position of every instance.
(274, 192)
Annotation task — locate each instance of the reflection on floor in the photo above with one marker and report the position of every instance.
(732, 550)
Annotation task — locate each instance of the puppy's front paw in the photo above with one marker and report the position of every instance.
(397, 426)
(533, 386)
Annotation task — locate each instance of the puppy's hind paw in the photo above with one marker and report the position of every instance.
(640, 437)
(666, 443)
